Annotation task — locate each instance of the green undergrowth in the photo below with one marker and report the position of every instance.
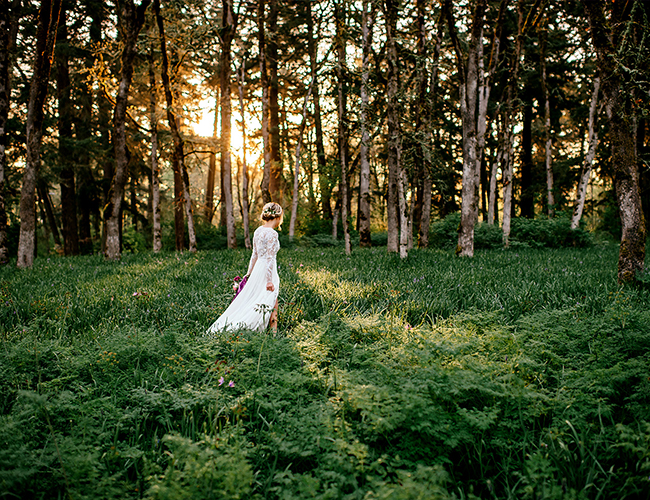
(515, 374)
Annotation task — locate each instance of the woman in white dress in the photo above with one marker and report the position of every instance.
(256, 305)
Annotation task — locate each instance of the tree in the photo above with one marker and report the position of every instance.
(296, 168)
(509, 111)
(548, 142)
(312, 48)
(48, 20)
(212, 165)
(67, 174)
(155, 170)
(276, 179)
(9, 12)
(178, 155)
(367, 20)
(229, 26)
(245, 209)
(592, 142)
(130, 21)
(264, 82)
(611, 43)
(342, 138)
(468, 71)
(396, 209)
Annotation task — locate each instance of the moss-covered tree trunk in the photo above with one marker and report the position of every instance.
(607, 40)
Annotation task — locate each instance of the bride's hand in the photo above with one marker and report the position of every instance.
(270, 287)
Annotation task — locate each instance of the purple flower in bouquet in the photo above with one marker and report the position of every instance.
(238, 285)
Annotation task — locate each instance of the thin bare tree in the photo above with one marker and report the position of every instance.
(367, 21)
(341, 76)
(155, 169)
(296, 168)
(548, 141)
(264, 82)
(228, 30)
(592, 141)
(245, 209)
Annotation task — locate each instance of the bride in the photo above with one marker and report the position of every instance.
(256, 305)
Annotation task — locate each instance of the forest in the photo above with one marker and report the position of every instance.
(168, 125)
(463, 301)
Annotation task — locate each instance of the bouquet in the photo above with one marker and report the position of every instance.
(238, 285)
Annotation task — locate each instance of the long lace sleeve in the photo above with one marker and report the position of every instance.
(273, 245)
(253, 260)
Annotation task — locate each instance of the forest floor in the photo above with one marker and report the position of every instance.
(515, 374)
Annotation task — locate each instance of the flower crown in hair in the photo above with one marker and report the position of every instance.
(271, 211)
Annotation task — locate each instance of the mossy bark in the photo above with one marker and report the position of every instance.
(606, 40)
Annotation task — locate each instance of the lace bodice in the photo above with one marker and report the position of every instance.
(265, 247)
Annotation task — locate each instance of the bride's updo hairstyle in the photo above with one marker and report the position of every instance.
(272, 211)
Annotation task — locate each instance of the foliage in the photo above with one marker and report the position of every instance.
(520, 374)
(535, 233)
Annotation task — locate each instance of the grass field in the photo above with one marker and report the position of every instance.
(517, 374)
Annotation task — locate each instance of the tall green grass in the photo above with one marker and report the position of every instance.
(516, 374)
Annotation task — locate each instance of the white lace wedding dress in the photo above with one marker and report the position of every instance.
(252, 308)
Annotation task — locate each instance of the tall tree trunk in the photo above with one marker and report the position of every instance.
(48, 20)
(67, 174)
(626, 174)
(423, 158)
(264, 82)
(548, 142)
(367, 20)
(212, 165)
(296, 169)
(275, 181)
(342, 98)
(178, 156)
(245, 210)
(312, 48)
(9, 13)
(397, 218)
(155, 169)
(592, 141)
(130, 21)
(469, 74)
(229, 27)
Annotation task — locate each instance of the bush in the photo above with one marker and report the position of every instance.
(549, 233)
(534, 233)
(134, 241)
